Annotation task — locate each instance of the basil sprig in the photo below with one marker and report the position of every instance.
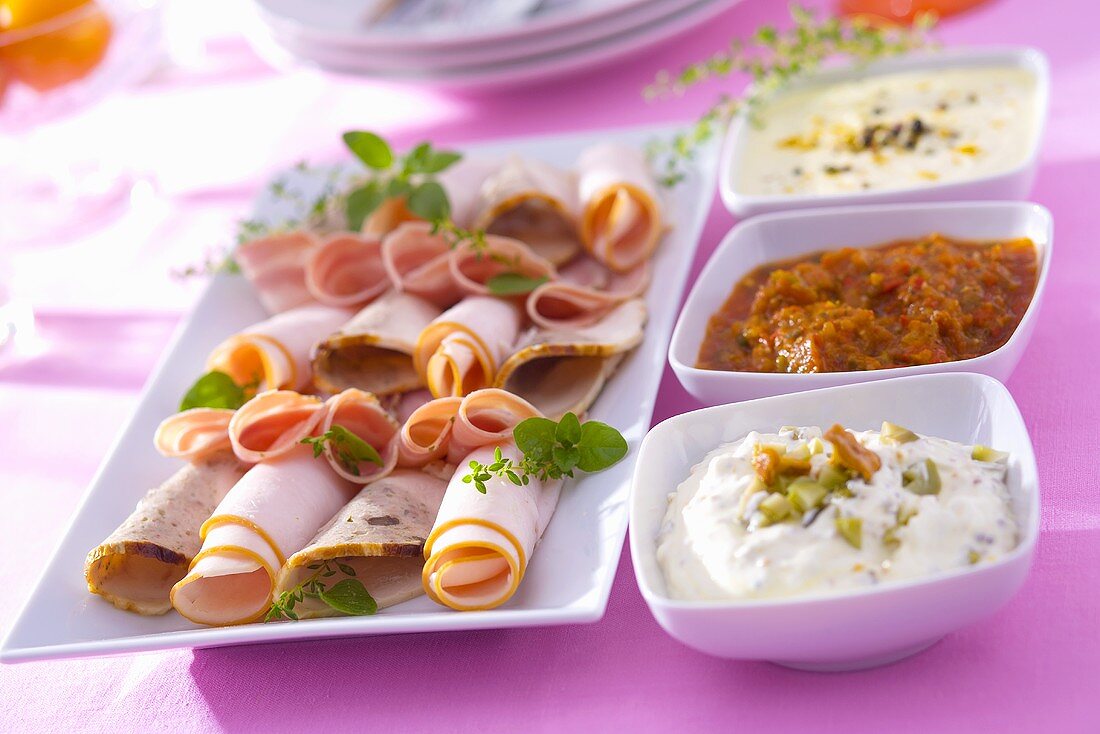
(349, 449)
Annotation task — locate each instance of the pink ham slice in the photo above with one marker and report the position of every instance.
(418, 263)
(461, 350)
(570, 303)
(273, 424)
(346, 271)
(621, 221)
(426, 434)
(486, 418)
(194, 434)
(472, 268)
(276, 266)
(273, 511)
(463, 183)
(361, 414)
(276, 352)
(404, 405)
(479, 548)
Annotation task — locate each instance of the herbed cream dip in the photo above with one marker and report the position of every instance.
(891, 131)
(801, 511)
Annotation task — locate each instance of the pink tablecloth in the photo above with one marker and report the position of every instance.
(1035, 665)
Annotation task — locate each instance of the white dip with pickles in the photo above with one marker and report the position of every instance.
(799, 511)
(891, 131)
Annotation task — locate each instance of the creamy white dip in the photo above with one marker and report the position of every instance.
(891, 131)
(713, 544)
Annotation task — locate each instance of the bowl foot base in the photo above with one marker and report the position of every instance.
(839, 666)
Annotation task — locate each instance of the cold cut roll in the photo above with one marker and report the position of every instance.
(461, 350)
(275, 266)
(273, 424)
(347, 271)
(581, 298)
(535, 203)
(621, 221)
(374, 350)
(361, 414)
(271, 513)
(137, 565)
(194, 434)
(472, 268)
(378, 537)
(418, 263)
(479, 549)
(275, 354)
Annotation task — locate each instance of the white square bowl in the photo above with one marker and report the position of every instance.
(845, 630)
(1014, 183)
(791, 234)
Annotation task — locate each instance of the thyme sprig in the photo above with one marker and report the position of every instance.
(773, 58)
(347, 596)
(349, 449)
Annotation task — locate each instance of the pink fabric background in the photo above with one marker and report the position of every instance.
(1035, 665)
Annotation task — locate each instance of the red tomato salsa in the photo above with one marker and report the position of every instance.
(910, 302)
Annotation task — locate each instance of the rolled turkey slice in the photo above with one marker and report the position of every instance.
(461, 350)
(276, 266)
(621, 222)
(479, 548)
(463, 183)
(273, 424)
(374, 350)
(346, 270)
(418, 262)
(472, 267)
(379, 535)
(426, 434)
(194, 434)
(486, 418)
(274, 510)
(564, 370)
(360, 413)
(137, 565)
(276, 352)
(567, 303)
(535, 203)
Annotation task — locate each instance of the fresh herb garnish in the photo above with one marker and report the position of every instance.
(214, 262)
(552, 450)
(455, 235)
(349, 449)
(217, 390)
(513, 284)
(773, 58)
(348, 596)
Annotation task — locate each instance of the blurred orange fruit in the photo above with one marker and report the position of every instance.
(73, 40)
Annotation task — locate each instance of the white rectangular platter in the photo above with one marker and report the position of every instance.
(570, 575)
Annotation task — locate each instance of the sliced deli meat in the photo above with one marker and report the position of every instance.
(570, 303)
(346, 270)
(275, 353)
(137, 565)
(479, 548)
(486, 418)
(273, 424)
(621, 220)
(473, 268)
(564, 370)
(463, 183)
(426, 434)
(273, 511)
(378, 536)
(276, 267)
(461, 350)
(361, 414)
(194, 434)
(418, 262)
(390, 214)
(535, 203)
(374, 350)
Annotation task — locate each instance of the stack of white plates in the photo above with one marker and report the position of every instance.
(467, 43)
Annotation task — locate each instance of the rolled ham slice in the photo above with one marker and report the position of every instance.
(621, 221)
(472, 268)
(379, 535)
(568, 303)
(273, 424)
(418, 262)
(463, 183)
(137, 565)
(564, 370)
(276, 352)
(461, 350)
(361, 414)
(274, 510)
(346, 270)
(276, 266)
(479, 548)
(374, 350)
(389, 215)
(426, 435)
(486, 418)
(194, 434)
(535, 203)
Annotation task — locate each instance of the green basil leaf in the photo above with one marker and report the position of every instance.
(535, 438)
(350, 597)
(356, 448)
(568, 431)
(369, 148)
(361, 204)
(440, 160)
(398, 187)
(600, 447)
(513, 284)
(416, 158)
(566, 458)
(429, 201)
(214, 390)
